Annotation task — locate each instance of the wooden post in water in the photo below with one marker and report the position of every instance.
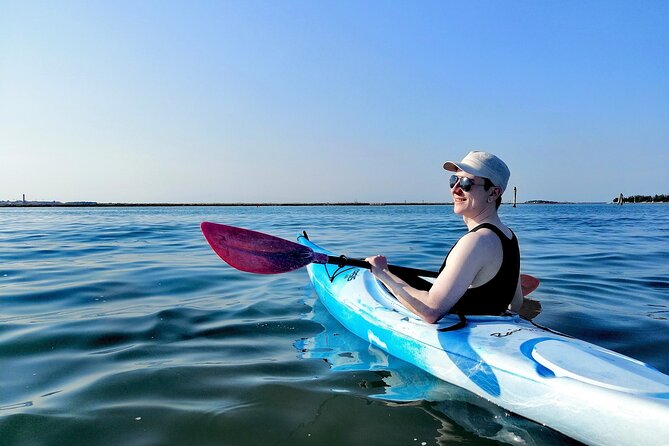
(515, 196)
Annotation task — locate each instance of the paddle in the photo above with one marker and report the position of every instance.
(259, 253)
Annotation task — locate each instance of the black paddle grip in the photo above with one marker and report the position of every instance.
(398, 270)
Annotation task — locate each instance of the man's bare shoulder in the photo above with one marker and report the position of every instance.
(484, 238)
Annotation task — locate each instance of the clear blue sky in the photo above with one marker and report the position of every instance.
(301, 101)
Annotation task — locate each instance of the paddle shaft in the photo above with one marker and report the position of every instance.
(528, 283)
(398, 270)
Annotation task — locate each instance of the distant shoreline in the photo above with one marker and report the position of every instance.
(57, 204)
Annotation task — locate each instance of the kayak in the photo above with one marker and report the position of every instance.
(584, 391)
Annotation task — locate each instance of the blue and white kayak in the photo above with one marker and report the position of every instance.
(586, 392)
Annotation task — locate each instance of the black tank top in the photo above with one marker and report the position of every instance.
(494, 296)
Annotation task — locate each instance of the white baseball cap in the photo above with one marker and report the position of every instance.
(482, 164)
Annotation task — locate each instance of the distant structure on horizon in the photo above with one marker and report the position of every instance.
(657, 198)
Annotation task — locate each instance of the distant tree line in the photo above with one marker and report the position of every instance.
(662, 198)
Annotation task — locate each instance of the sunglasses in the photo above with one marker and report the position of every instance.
(465, 183)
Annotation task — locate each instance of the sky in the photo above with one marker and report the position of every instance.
(330, 100)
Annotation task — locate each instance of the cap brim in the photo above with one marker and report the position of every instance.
(451, 166)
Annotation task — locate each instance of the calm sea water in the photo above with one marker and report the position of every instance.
(121, 326)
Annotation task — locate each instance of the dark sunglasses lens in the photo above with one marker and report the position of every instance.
(453, 180)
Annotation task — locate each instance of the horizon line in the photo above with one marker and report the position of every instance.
(16, 204)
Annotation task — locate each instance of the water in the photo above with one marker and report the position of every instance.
(121, 326)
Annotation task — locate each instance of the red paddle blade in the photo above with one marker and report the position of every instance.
(255, 252)
(528, 283)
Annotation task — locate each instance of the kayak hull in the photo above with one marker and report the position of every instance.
(584, 391)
